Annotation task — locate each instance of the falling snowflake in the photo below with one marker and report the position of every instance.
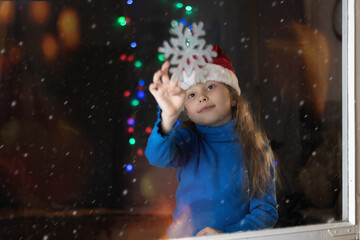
(188, 52)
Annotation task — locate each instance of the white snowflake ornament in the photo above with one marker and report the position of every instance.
(188, 53)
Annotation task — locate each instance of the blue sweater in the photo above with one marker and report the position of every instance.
(211, 173)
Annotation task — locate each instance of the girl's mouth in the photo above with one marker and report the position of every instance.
(206, 108)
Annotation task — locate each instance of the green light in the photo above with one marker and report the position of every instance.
(132, 141)
(179, 5)
(188, 8)
(134, 103)
(187, 43)
(161, 57)
(122, 21)
(138, 64)
(177, 23)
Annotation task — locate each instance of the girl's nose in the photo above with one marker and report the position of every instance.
(203, 98)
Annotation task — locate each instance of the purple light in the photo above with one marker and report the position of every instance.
(131, 121)
(129, 2)
(275, 163)
(129, 168)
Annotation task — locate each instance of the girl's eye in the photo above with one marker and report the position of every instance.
(211, 87)
(191, 95)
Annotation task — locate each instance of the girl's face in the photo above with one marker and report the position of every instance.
(209, 104)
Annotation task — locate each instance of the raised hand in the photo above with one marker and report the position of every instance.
(168, 95)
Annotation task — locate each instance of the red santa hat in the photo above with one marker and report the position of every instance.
(220, 70)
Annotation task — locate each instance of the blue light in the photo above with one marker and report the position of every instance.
(275, 163)
(129, 2)
(133, 44)
(140, 94)
(191, 27)
(141, 82)
(129, 168)
(183, 21)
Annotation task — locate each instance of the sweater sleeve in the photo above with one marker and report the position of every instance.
(262, 212)
(167, 150)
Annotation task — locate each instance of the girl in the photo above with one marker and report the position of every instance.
(225, 165)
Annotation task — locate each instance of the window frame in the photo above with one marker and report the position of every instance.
(349, 228)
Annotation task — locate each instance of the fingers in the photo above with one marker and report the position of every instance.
(156, 77)
(207, 231)
(165, 71)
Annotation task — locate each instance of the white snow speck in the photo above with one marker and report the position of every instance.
(51, 117)
(45, 237)
(125, 192)
(93, 26)
(13, 103)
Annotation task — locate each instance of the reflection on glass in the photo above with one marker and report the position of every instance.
(76, 113)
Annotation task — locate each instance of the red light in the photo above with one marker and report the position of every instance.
(127, 93)
(127, 20)
(130, 58)
(140, 152)
(148, 130)
(130, 130)
(123, 57)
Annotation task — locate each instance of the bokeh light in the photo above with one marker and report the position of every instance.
(179, 5)
(183, 21)
(132, 141)
(148, 130)
(161, 57)
(138, 64)
(129, 2)
(130, 58)
(123, 57)
(6, 11)
(69, 28)
(134, 102)
(129, 167)
(130, 130)
(131, 121)
(127, 93)
(39, 11)
(140, 94)
(140, 152)
(133, 45)
(141, 82)
(122, 21)
(49, 47)
(188, 9)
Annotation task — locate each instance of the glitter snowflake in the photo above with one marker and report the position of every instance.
(188, 52)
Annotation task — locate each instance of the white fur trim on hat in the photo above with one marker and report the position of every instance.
(215, 73)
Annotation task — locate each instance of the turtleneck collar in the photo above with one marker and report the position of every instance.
(221, 133)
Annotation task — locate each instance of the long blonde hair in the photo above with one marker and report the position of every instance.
(259, 157)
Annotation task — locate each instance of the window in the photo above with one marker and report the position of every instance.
(75, 113)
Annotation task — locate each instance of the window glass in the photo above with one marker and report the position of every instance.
(76, 113)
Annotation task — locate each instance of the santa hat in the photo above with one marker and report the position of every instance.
(220, 70)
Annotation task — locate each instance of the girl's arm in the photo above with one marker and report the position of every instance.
(262, 213)
(169, 96)
(168, 149)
